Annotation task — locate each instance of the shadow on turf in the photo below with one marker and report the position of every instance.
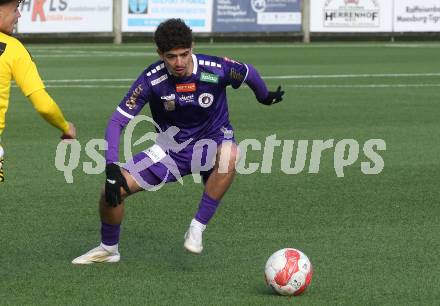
(267, 291)
(264, 290)
(159, 248)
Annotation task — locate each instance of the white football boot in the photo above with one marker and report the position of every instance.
(98, 255)
(193, 237)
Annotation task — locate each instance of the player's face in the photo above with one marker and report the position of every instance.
(178, 61)
(9, 15)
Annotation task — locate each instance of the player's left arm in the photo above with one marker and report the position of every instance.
(258, 86)
(238, 73)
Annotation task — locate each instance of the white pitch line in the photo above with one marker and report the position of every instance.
(89, 86)
(288, 86)
(94, 52)
(103, 54)
(281, 77)
(348, 76)
(323, 86)
(89, 80)
(241, 46)
(364, 86)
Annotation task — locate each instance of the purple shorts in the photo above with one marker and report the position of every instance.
(158, 165)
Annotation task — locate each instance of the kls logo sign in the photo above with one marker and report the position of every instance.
(41, 8)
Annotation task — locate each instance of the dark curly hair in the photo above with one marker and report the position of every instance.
(172, 34)
(9, 1)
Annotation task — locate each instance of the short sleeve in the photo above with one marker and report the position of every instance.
(235, 72)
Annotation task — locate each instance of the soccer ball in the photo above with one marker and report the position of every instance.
(288, 271)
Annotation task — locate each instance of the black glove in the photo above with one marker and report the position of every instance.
(273, 97)
(113, 183)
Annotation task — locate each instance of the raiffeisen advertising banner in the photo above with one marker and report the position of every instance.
(257, 16)
(351, 15)
(417, 16)
(146, 15)
(65, 16)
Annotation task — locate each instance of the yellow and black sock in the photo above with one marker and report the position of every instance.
(2, 174)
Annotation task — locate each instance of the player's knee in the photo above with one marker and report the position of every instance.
(234, 156)
(124, 194)
(228, 157)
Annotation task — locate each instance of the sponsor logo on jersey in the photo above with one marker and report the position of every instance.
(159, 80)
(235, 75)
(190, 87)
(209, 78)
(169, 97)
(170, 102)
(131, 103)
(187, 98)
(206, 100)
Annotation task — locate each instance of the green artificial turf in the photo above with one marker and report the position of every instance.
(373, 239)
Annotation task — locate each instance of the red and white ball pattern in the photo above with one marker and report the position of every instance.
(288, 271)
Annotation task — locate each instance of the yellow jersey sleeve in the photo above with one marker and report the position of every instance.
(48, 109)
(24, 71)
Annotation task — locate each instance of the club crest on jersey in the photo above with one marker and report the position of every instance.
(209, 78)
(169, 102)
(131, 102)
(206, 100)
(190, 87)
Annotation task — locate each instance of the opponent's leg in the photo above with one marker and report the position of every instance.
(216, 186)
(2, 161)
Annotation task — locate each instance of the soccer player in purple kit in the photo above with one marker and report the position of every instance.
(186, 93)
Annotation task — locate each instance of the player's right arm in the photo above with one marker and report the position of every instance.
(50, 111)
(130, 106)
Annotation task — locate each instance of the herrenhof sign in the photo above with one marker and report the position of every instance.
(351, 15)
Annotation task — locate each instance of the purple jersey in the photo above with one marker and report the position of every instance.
(197, 104)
